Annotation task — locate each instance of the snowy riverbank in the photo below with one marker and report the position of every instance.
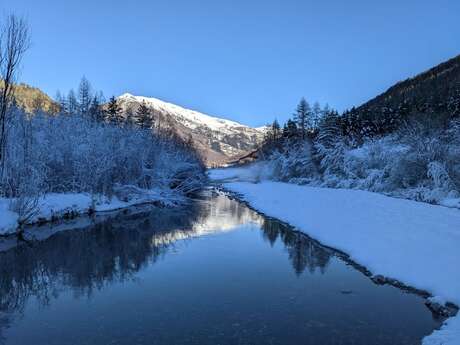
(54, 206)
(264, 170)
(415, 243)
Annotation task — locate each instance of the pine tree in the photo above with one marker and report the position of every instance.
(84, 96)
(316, 114)
(330, 145)
(114, 112)
(329, 129)
(290, 129)
(72, 103)
(276, 130)
(62, 102)
(130, 117)
(302, 117)
(272, 136)
(326, 110)
(144, 116)
(285, 130)
(95, 111)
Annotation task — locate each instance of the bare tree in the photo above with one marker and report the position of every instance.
(14, 42)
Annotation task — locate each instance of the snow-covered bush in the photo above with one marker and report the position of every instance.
(332, 158)
(438, 174)
(295, 161)
(452, 137)
(67, 153)
(420, 162)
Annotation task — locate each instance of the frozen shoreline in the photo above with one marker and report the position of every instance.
(55, 206)
(413, 242)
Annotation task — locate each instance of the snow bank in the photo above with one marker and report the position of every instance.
(449, 334)
(415, 243)
(254, 172)
(8, 219)
(55, 206)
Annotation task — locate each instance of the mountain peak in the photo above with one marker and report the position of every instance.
(126, 95)
(220, 140)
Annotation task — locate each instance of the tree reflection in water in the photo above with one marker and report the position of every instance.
(117, 248)
(88, 259)
(303, 252)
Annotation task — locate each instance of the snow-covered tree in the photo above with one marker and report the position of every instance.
(316, 113)
(130, 117)
(61, 101)
(72, 103)
(302, 117)
(95, 112)
(329, 129)
(144, 116)
(76, 154)
(276, 130)
(114, 112)
(85, 96)
(290, 129)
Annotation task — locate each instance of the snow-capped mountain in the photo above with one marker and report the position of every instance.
(218, 140)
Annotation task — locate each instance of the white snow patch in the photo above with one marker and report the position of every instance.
(8, 219)
(56, 205)
(449, 334)
(450, 202)
(437, 299)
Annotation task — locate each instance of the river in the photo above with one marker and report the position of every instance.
(212, 272)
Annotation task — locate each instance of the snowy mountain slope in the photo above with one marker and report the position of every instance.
(192, 117)
(218, 140)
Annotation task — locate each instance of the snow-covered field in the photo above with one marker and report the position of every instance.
(415, 243)
(55, 206)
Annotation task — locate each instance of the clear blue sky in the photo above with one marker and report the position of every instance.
(246, 60)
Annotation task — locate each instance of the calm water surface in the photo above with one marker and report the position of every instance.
(214, 272)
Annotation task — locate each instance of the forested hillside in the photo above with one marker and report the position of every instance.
(432, 96)
(405, 142)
